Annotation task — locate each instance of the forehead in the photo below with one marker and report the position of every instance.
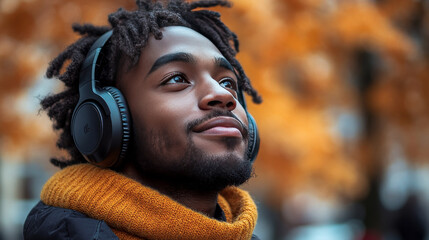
(179, 39)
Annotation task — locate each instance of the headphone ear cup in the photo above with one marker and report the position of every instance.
(124, 125)
(101, 128)
(254, 141)
(88, 129)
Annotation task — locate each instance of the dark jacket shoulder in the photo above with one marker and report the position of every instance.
(47, 222)
(254, 237)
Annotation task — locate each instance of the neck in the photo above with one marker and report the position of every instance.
(200, 201)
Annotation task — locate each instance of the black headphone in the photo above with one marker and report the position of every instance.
(101, 123)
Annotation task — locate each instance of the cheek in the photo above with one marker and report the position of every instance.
(162, 131)
(165, 118)
(241, 114)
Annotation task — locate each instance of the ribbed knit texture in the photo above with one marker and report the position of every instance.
(134, 211)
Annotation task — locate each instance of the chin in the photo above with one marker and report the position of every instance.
(204, 165)
(215, 172)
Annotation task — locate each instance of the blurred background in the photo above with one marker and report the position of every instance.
(344, 123)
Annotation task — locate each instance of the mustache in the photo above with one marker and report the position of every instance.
(217, 113)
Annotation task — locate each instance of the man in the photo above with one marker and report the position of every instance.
(154, 104)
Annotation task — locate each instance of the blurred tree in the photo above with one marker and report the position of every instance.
(345, 86)
(32, 33)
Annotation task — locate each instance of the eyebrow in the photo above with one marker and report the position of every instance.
(172, 57)
(223, 63)
(187, 58)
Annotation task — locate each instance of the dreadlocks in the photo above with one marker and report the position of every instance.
(131, 31)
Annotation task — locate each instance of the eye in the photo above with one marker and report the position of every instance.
(175, 78)
(228, 83)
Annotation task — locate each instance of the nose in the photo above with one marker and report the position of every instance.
(216, 96)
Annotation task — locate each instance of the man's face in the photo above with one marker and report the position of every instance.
(189, 127)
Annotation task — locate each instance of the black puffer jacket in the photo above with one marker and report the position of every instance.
(48, 223)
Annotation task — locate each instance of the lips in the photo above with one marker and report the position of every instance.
(222, 126)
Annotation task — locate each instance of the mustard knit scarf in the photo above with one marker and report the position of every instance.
(134, 211)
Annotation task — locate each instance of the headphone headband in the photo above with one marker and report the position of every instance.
(89, 65)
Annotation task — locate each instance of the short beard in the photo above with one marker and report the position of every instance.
(194, 170)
